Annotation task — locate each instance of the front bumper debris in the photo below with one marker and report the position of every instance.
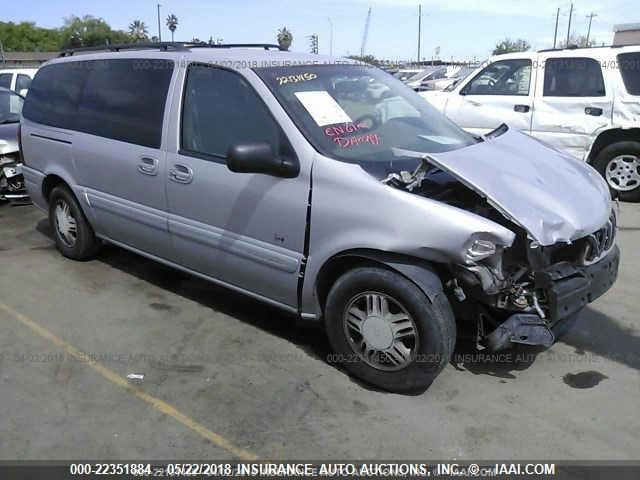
(567, 289)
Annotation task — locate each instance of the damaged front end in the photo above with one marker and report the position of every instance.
(525, 295)
(555, 266)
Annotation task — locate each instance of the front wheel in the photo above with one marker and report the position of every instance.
(619, 164)
(385, 331)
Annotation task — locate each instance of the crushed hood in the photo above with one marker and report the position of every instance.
(553, 196)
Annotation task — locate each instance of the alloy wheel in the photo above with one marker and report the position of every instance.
(66, 226)
(623, 173)
(380, 331)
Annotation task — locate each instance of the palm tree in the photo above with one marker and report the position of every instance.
(138, 31)
(172, 23)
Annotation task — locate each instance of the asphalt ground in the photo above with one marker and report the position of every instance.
(226, 377)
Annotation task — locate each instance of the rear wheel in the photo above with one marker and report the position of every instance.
(385, 331)
(73, 235)
(619, 164)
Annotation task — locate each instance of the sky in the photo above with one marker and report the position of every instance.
(463, 29)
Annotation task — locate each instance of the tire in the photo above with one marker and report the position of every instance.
(433, 325)
(80, 245)
(626, 156)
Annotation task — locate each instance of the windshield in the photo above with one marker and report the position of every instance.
(359, 113)
(10, 106)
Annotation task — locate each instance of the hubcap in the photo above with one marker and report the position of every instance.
(380, 331)
(623, 173)
(65, 223)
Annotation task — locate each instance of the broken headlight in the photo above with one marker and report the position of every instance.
(479, 250)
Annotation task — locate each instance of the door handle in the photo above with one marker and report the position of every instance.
(594, 111)
(148, 166)
(521, 108)
(181, 173)
(474, 103)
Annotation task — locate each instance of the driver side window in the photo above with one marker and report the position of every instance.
(505, 77)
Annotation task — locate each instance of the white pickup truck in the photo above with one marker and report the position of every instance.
(585, 101)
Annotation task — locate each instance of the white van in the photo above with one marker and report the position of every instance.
(17, 79)
(583, 101)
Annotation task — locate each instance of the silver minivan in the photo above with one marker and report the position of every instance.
(324, 187)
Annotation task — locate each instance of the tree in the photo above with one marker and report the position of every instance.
(507, 46)
(138, 31)
(370, 59)
(27, 37)
(578, 41)
(285, 38)
(172, 24)
(89, 31)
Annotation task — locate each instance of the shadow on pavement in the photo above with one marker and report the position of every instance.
(210, 295)
(599, 334)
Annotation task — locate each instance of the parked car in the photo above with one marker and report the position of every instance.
(585, 102)
(438, 78)
(404, 74)
(17, 79)
(449, 83)
(371, 215)
(11, 180)
(426, 75)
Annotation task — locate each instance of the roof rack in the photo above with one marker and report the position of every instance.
(576, 47)
(165, 46)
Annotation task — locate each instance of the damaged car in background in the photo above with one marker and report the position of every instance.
(11, 181)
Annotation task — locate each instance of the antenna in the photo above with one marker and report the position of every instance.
(366, 33)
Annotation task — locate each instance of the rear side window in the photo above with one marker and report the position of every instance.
(573, 77)
(5, 80)
(630, 70)
(220, 110)
(124, 99)
(23, 82)
(54, 94)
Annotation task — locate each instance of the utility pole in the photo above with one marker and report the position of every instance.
(313, 43)
(330, 36)
(590, 17)
(555, 34)
(159, 30)
(366, 33)
(419, 29)
(569, 25)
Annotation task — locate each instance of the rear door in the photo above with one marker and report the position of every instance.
(500, 93)
(117, 150)
(245, 230)
(573, 104)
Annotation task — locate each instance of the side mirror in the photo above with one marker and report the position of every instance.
(23, 92)
(260, 158)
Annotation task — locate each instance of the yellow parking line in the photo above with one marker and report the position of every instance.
(160, 405)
